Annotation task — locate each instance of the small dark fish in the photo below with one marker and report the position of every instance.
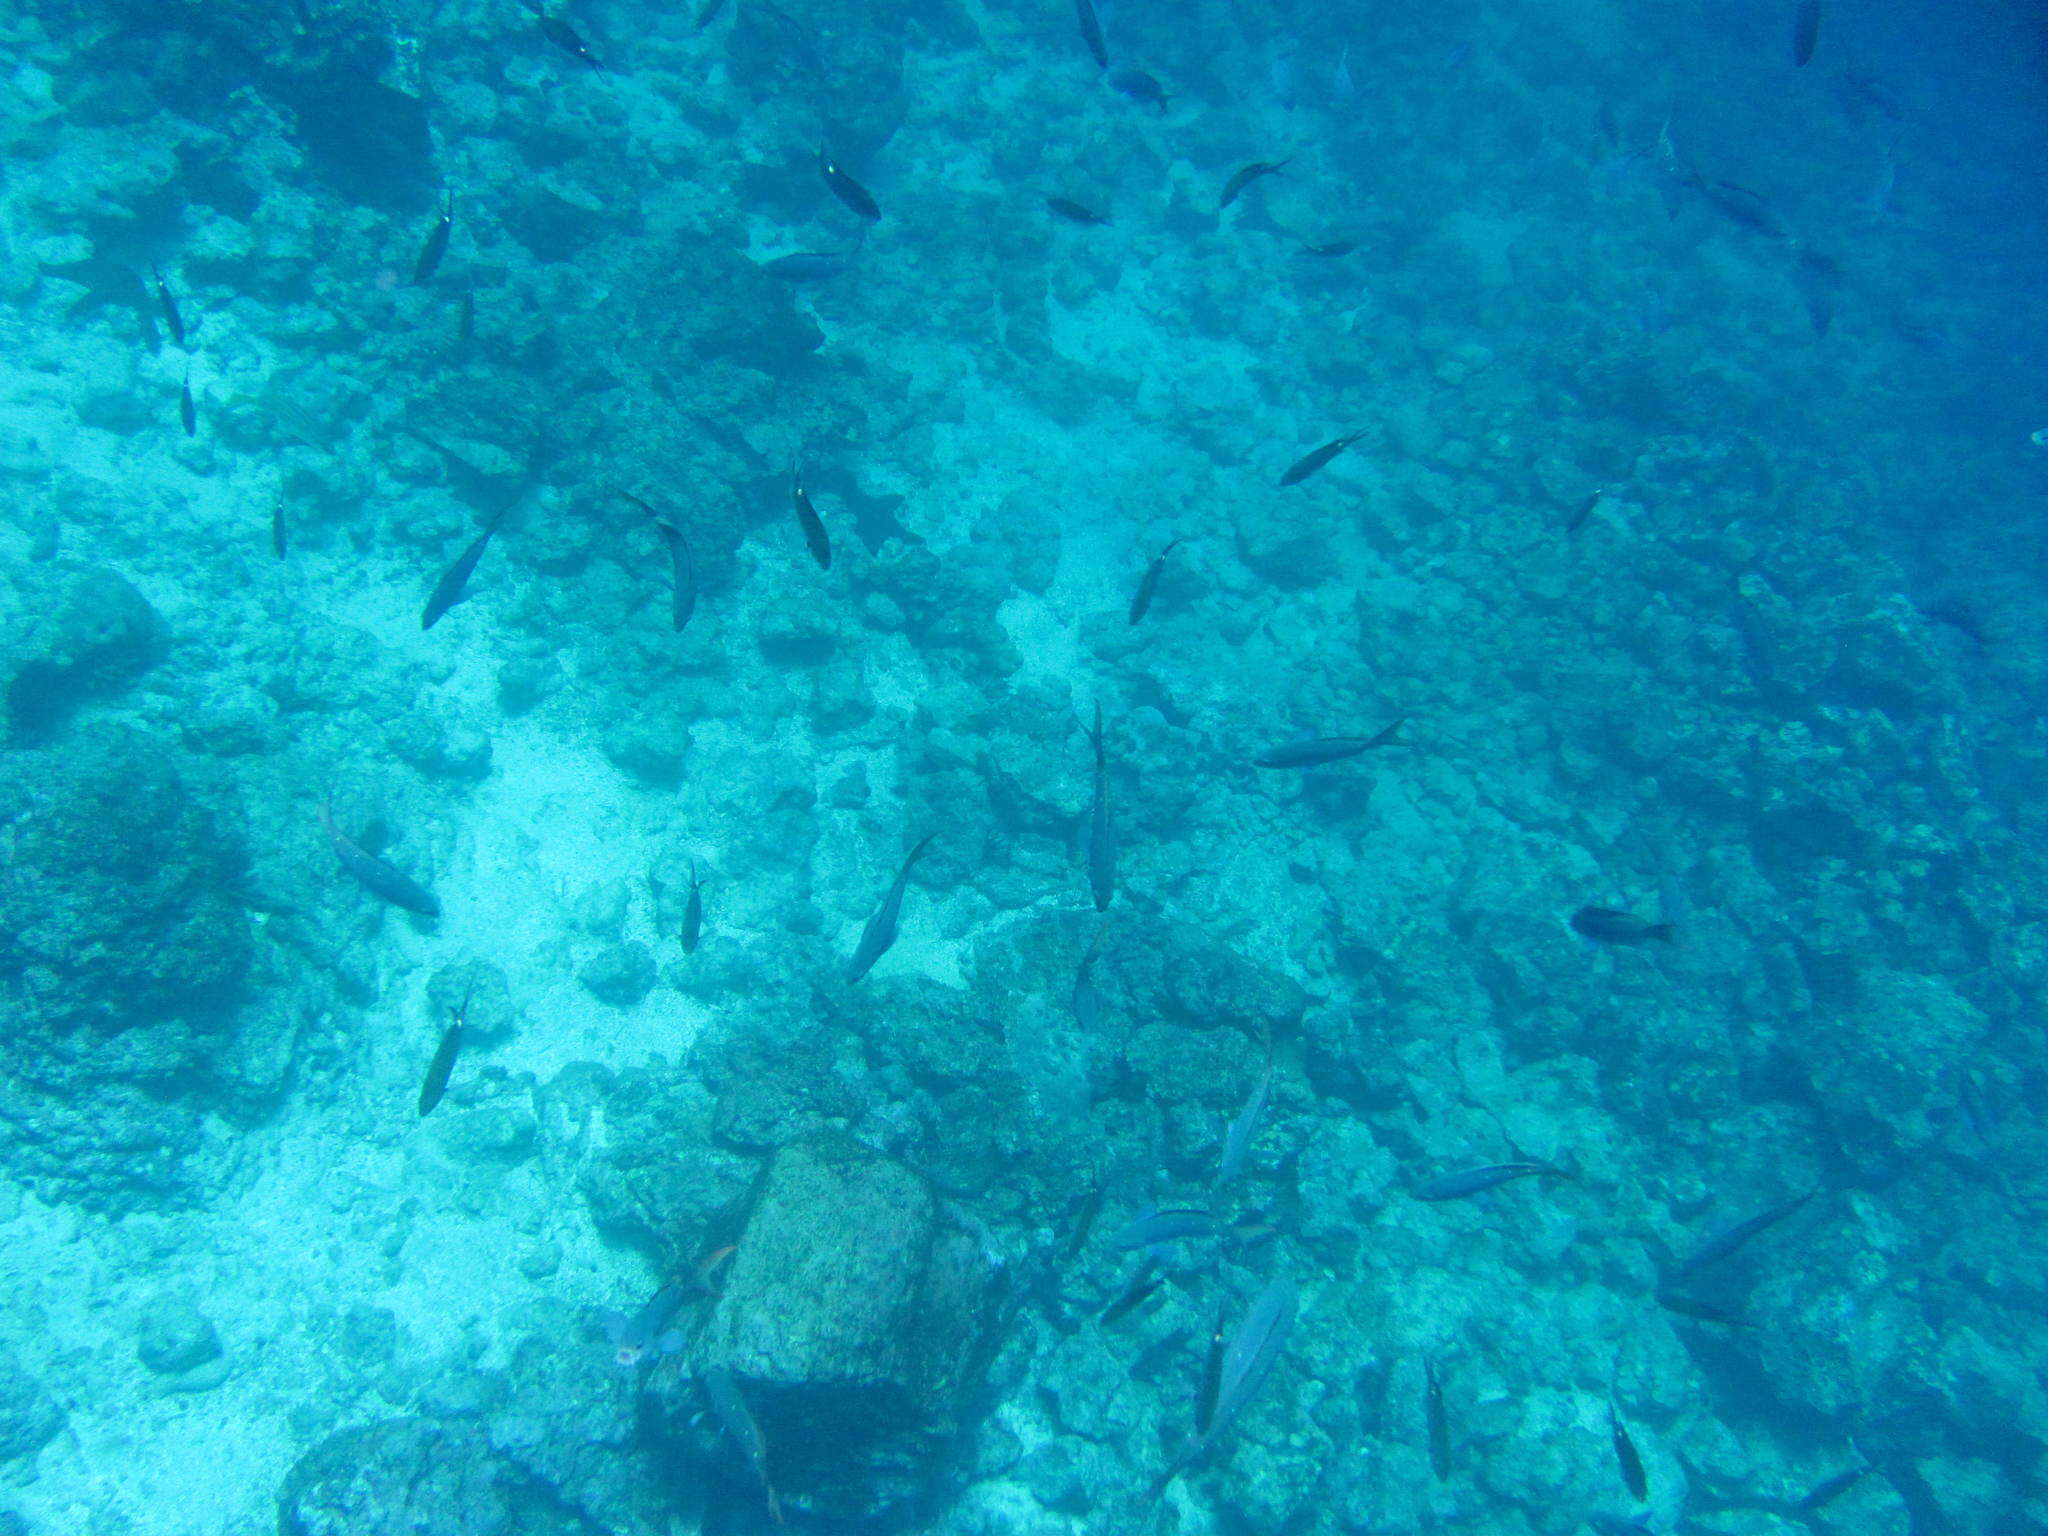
(807, 518)
(646, 1332)
(807, 266)
(732, 1412)
(376, 876)
(443, 1063)
(1212, 1377)
(682, 564)
(1826, 1493)
(1585, 510)
(436, 247)
(188, 411)
(1082, 1222)
(1331, 248)
(1326, 749)
(1091, 32)
(1307, 465)
(880, 932)
(1140, 87)
(448, 591)
(1437, 1421)
(1073, 212)
(850, 192)
(1165, 1227)
(1101, 831)
(1724, 1243)
(564, 37)
(1700, 1311)
(1631, 1464)
(1473, 1181)
(277, 529)
(1805, 32)
(707, 14)
(1605, 925)
(1149, 584)
(1143, 1285)
(1245, 178)
(1745, 207)
(693, 913)
(174, 320)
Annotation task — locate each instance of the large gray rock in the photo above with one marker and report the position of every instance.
(72, 637)
(29, 1417)
(854, 1317)
(405, 1477)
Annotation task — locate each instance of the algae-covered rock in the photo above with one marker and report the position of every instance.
(175, 1336)
(406, 1477)
(29, 1416)
(854, 1317)
(70, 638)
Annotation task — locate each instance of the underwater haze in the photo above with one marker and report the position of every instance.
(1023, 767)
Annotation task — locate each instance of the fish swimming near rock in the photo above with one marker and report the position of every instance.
(429, 262)
(1699, 1311)
(172, 318)
(1091, 32)
(1827, 1492)
(646, 1334)
(278, 546)
(1309, 463)
(731, 1409)
(815, 537)
(1101, 830)
(1150, 1228)
(1237, 1140)
(1141, 88)
(807, 266)
(451, 588)
(693, 914)
(374, 875)
(443, 1064)
(1142, 1287)
(856, 197)
(1073, 212)
(564, 37)
(1327, 749)
(1248, 1359)
(1436, 1422)
(1608, 925)
(1245, 178)
(1086, 1004)
(1464, 1182)
(1805, 32)
(1330, 248)
(1626, 1458)
(880, 932)
(1212, 1374)
(1725, 1242)
(188, 410)
(1585, 510)
(682, 563)
(1148, 585)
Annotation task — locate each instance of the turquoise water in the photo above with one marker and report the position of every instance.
(819, 763)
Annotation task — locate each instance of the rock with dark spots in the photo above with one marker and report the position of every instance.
(409, 1477)
(649, 744)
(71, 638)
(174, 1336)
(655, 1181)
(1184, 972)
(854, 1316)
(932, 1033)
(619, 974)
(29, 1416)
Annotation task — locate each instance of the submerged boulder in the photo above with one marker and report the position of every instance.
(855, 1315)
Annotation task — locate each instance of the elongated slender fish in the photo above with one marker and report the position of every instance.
(429, 262)
(1212, 1376)
(1101, 831)
(682, 563)
(1237, 1141)
(278, 544)
(1091, 32)
(1073, 212)
(807, 266)
(880, 932)
(1326, 749)
(1141, 88)
(443, 1063)
(1724, 1243)
(1143, 1285)
(1827, 1492)
(449, 590)
(1436, 1422)
(169, 305)
(850, 192)
(1331, 248)
(1699, 1311)
(1472, 1181)
(1245, 178)
(1308, 464)
(693, 913)
(1170, 1226)
(707, 14)
(188, 411)
(1148, 585)
(1805, 32)
(1248, 1359)
(1625, 1457)
(1585, 510)
(807, 518)
(376, 876)
(1609, 925)
(1087, 1005)
(732, 1412)
(563, 36)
